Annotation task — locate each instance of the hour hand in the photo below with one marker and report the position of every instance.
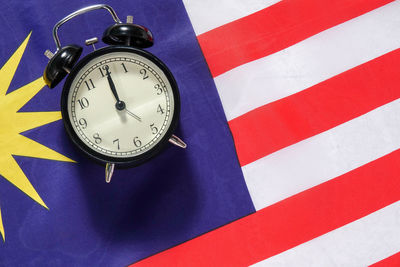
(120, 105)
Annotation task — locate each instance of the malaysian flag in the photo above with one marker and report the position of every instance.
(290, 112)
(310, 90)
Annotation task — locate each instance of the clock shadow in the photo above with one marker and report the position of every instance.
(155, 202)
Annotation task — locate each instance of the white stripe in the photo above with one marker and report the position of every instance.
(360, 243)
(311, 61)
(206, 15)
(325, 156)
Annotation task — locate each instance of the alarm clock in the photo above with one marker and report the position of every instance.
(120, 104)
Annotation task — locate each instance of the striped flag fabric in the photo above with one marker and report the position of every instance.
(311, 93)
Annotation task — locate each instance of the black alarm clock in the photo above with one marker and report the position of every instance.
(120, 104)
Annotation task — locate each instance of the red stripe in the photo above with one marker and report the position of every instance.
(293, 221)
(392, 261)
(275, 28)
(279, 124)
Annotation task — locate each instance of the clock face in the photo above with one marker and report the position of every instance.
(120, 103)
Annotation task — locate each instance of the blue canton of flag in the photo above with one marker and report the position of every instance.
(56, 208)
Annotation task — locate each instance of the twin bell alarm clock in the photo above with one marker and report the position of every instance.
(120, 104)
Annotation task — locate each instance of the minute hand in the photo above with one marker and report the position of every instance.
(133, 115)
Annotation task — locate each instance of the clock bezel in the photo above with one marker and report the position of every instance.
(130, 161)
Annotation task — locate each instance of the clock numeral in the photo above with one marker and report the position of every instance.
(106, 70)
(160, 109)
(90, 84)
(84, 103)
(137, 142)
(123, 65)
(144, 73)
(116, 141)
(158, 89)
(154, 129)
(97, 138)
(83, 123)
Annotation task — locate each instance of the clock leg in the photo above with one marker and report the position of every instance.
(177, 141)
(109, 171)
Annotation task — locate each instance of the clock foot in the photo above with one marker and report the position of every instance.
(175, 140)
(109, 171)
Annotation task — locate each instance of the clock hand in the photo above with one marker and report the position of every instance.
(120, 105)
(133, 115)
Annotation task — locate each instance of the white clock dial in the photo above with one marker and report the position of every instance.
(138, 125)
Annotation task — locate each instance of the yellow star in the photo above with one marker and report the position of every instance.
(2, 228)
(12, 123)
